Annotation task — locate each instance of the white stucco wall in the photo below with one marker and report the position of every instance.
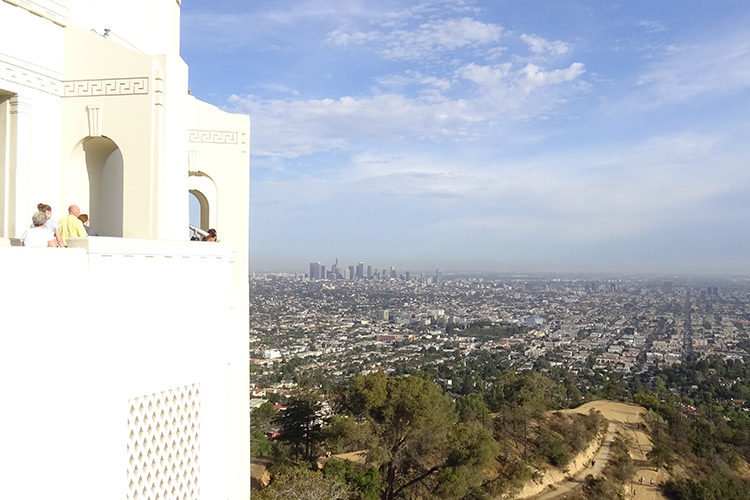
(138, 317)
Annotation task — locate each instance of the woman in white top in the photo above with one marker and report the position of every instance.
(38, 235)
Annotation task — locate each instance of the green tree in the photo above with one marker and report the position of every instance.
(301, 424)
(303, 484)
(263, 416)
(365, 484)
(344, 434)
(621, 467)
(661, 456)
(273, 397)
(419, 445)
(261, 423)
(259, 444)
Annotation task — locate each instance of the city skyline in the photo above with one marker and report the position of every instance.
(319, 270)
(475, 136)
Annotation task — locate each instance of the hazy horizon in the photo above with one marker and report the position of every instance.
(561, 269)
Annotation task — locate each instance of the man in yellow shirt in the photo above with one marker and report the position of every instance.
(71, 226)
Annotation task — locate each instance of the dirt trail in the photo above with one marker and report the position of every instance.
(626, 420)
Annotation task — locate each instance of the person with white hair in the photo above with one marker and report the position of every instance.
(39, 235)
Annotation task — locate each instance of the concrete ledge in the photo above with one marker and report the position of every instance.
(105, 245)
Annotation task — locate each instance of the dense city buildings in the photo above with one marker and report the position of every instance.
(330, 330)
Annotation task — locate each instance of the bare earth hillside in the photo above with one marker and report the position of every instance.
(624, 419)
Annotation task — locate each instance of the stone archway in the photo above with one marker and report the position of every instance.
(104, 164)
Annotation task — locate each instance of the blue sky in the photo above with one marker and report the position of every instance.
(487, 135)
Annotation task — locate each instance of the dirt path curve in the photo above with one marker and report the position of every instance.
(576, 480)
(626, 420)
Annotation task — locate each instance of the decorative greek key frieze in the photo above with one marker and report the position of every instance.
(29, 78)
(212, 136)
(107, 87)
(56, 12)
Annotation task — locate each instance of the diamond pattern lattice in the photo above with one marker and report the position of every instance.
(164, 446)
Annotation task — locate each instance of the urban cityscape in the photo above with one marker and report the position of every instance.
(359, 319)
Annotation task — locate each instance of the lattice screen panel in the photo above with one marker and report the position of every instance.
(164, 445)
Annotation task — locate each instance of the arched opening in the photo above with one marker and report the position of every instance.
(199, 209)
(203, 201)
(105, 170)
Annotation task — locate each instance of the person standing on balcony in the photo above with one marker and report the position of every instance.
(85, 219)
(51, 223)
(71, 226)
(38, 235)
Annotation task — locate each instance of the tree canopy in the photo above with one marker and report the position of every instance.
(418, 441)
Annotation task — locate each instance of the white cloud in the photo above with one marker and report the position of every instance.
(341, 38)
(425, 40)
(439, 36)
(485, 76)
(293, 128)
(652, 26)
(413, 77)
(534, 76)
(539, 45)
(509, 89)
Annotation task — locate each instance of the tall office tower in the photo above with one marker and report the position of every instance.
(314, 270)
(348, 273)
(438, 275)
(351, 273)
(393, 272)
(369, 272)
(361, 270)
(322, 271)
(384, 274)
(408, 276)
(335, 268)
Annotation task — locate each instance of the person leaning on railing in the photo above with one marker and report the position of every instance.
(71, 226)
(38, 235)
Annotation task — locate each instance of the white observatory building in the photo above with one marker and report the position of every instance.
(123, 357)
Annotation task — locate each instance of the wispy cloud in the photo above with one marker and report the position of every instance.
(341, 38)
(413, 78)
(652, 26)
(425, 40)
(600, 195)
(717, 67)
(440, 36)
